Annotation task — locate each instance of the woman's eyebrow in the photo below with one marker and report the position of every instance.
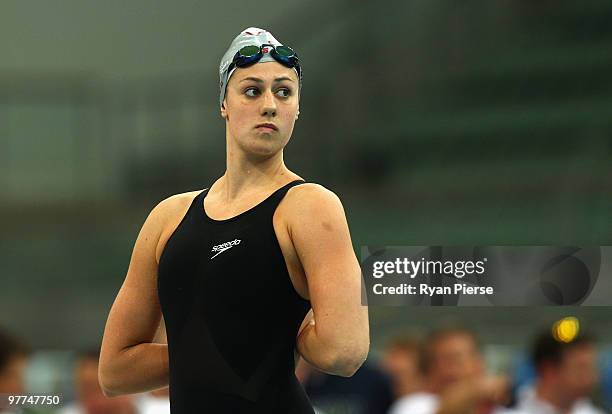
(254, 79)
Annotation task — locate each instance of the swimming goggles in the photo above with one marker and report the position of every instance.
(249, 55)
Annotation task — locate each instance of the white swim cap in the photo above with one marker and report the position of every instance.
(252, 36)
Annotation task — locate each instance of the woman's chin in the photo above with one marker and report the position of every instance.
(265, 145)
(264, 151)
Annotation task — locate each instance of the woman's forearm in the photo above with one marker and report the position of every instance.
(333, 359)
(138, 368)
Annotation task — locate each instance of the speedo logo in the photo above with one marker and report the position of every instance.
(220, 248)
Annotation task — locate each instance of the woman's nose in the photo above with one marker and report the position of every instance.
(269, 104)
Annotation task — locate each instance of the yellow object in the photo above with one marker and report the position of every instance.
(566, 329)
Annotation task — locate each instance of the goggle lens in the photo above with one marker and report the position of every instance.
(285, 51)
(249, 51)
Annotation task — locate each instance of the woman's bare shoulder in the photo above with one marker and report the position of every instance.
(180, 199)
(311, 200)
(172, 205)
(311, 194)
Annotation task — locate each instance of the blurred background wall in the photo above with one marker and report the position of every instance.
(435, 121)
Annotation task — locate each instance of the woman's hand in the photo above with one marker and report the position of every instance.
(308, 320)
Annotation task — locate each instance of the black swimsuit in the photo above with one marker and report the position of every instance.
(231, 314)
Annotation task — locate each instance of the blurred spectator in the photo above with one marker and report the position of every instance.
(454, 377)
(13, 360)
(90, 399)
(401, 362)
(14, 356)
(368, 391)
(566, 376)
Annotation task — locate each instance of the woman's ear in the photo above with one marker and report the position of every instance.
(223, 110)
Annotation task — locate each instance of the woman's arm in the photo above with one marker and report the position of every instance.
(336, 340)
(130, 361)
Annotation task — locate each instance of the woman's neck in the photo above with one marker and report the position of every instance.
(256, 175)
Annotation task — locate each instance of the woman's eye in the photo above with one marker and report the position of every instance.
(251, 92)
(284, 93)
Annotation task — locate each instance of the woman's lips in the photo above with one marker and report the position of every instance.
(267, 127)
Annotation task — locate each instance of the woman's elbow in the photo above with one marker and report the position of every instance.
(109, 389)
(108, 382)
(346, 362)
(105, 385)
(109, 392)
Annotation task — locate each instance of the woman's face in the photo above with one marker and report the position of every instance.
(264, 93)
